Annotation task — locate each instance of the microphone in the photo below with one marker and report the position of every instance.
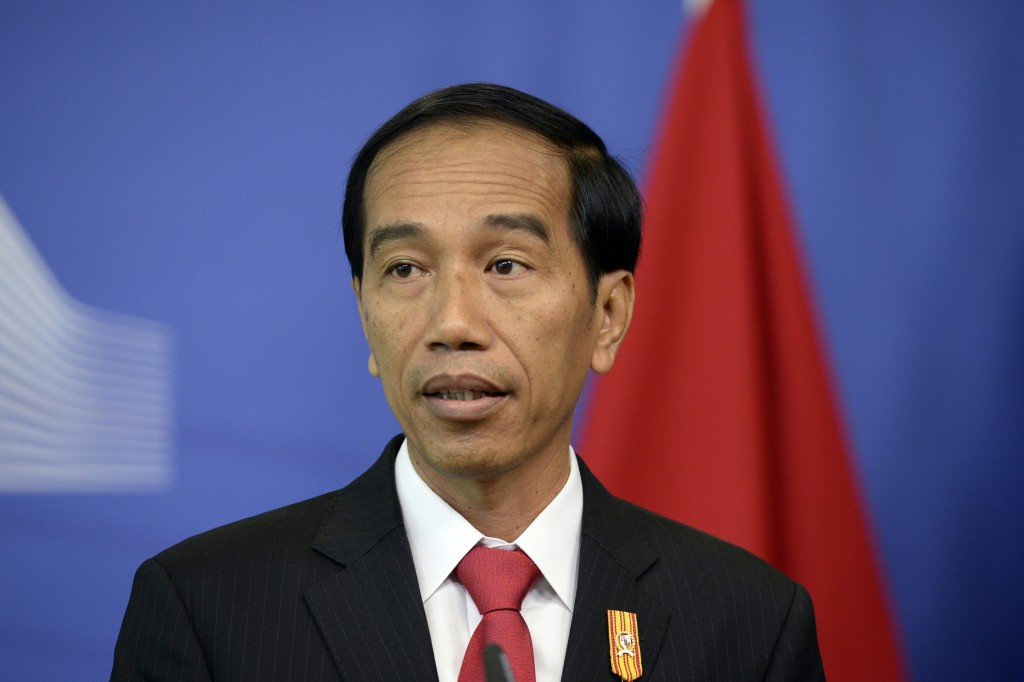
(496, 667)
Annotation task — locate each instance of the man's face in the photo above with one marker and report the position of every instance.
(475, 299)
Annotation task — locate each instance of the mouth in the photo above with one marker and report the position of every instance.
(463, 397)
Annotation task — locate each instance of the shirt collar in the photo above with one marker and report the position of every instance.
(439, 536)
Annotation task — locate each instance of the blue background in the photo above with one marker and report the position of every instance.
(185, 162)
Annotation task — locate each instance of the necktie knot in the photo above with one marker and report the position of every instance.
(497, 579)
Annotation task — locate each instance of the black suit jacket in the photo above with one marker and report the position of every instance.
(326, 590)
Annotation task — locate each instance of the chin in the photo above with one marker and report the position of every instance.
(467, 460)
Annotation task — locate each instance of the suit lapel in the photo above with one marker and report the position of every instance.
(371, 613)
(612, 557)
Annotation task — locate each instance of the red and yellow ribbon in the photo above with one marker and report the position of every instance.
(624, 645)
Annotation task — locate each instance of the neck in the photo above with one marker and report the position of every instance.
(501, 506)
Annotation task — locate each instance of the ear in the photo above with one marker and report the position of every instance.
(372, 363)
(615, 298)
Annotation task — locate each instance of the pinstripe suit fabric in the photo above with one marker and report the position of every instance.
(325, 590)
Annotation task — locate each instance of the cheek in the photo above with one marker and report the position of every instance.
(389, 335)
(378, 318)
(559, 337)
(374, 326)
(377, 333)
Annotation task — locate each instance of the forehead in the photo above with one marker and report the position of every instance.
(476, 168)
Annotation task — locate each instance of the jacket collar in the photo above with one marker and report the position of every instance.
(371, 612)
(614, 556)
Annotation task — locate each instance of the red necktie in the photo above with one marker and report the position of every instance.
(498, 580)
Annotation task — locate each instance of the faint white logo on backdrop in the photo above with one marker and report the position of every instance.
(85, 394)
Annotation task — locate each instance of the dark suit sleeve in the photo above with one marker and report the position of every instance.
(795, 657)
(157, 641)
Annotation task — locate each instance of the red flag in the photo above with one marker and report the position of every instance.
(719, 411)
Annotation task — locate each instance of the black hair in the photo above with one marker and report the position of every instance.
(605, 212)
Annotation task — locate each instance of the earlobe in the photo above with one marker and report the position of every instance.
(372, 366)
(615, 297)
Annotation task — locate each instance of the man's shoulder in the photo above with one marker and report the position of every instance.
(276, 532)
(658, 548)
(287, 532)
(685, 553)
(746, 610)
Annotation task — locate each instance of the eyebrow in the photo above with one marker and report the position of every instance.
(519, 221)
(383, 234)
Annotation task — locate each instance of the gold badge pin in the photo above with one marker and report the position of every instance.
(624, 645)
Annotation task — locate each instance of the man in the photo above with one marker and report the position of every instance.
(492, 241)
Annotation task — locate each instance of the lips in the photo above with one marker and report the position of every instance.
(461, 387)
(462, 397)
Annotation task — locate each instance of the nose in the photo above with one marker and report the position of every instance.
(458, 319)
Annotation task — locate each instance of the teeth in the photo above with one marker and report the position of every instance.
(461, 395)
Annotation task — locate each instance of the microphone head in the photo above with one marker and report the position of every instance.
(496, 666)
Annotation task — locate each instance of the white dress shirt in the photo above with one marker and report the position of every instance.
(439, 537)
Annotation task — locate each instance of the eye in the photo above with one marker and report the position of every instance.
(404, 270)
(507, 266)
